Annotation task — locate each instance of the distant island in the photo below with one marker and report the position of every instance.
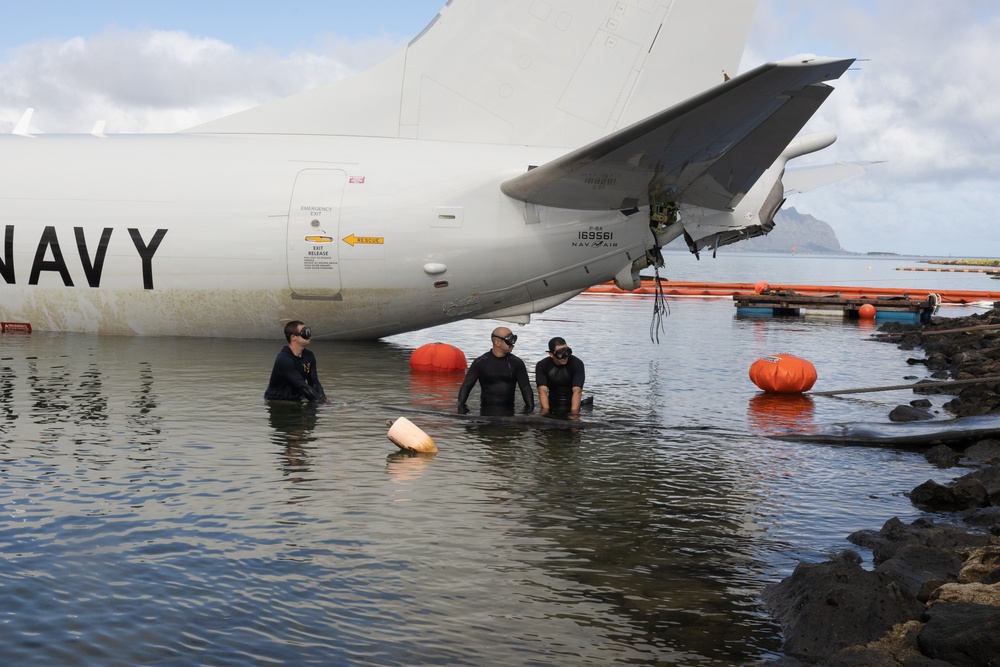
(799, 233)
(964, 262)
(793, 232)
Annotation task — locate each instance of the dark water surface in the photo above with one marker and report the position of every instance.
(156, 512)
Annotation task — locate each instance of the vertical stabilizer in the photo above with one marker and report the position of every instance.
(699, 45)
(23, 127)
(535, 72)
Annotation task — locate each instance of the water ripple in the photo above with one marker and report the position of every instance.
(150, 516)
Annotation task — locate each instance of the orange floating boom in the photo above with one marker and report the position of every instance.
(698, 289)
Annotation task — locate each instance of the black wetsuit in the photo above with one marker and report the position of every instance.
(497, 377)
(294, 378)
(560, 380)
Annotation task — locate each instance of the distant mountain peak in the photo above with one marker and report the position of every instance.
(793, 232)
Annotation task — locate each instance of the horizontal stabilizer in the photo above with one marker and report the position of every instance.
(804, 179)
(707, 151)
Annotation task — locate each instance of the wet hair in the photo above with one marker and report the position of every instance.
(554, 342)
(291, 329)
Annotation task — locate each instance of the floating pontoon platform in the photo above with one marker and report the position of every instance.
(789, 302)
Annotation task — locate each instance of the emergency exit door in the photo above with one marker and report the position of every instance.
(313, 229)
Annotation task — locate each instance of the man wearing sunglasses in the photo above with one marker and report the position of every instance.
(560, 378)
(294, 376)
(497, 372)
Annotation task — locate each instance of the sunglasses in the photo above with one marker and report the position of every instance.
(304, 333)
(562, 353)
(510, 338)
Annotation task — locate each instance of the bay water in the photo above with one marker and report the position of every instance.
(155, 511)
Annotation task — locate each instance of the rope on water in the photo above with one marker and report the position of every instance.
(919, 385)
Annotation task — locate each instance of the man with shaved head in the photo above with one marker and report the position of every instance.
(497, 372)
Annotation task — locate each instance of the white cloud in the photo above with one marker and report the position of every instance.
(927, 101)
(156, 81)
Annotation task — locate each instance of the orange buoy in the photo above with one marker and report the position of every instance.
(409, 437)
(867, 312)
(762, 287)
(438, 357)
(783, 374)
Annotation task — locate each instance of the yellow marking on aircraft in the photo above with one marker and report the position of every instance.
(364, 240)
(319, 239)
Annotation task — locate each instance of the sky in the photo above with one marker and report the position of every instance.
(924, 99)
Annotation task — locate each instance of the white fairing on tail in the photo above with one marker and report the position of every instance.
(505, 160)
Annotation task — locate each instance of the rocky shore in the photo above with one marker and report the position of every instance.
(933, 596)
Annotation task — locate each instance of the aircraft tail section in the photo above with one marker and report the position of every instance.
(528, 72)
(754, 214)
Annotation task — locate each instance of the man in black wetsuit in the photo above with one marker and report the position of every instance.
(294, 376)
(497, 372)
(560, 377)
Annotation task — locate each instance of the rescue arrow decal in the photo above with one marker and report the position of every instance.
(364, 240)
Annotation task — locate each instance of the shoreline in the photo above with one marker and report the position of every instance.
(933, 596)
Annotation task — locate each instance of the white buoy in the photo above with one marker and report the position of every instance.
(409, 437)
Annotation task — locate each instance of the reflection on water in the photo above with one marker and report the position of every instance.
(157, 511)
(292, 424)
(435, 390)
(774, 414)
(407, 467)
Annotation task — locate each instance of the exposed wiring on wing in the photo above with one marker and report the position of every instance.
(663, 214)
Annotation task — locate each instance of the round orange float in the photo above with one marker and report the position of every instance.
(762, 287)
(867, 312)
(783, 374)
(438, 357)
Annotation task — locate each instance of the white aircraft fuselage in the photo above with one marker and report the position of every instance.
(510, 156)
(232, 235)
